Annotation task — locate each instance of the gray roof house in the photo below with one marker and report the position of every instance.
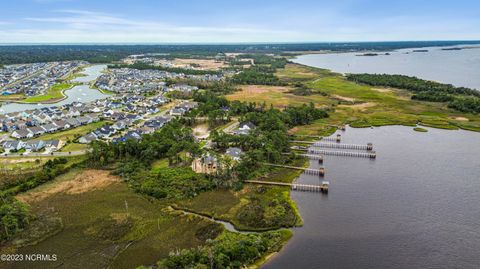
(35, 145)
(13, 145)
(234, 153)
(19, 134)
(49, 128)
(52, 144)
(87, 139)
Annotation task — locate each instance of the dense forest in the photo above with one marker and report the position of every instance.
(257, 75)
(459, 98)
(230, 250)
(13, 54)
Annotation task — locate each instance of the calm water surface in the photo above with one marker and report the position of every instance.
(457, 67)
(80, 93)
(416, 206)
(91, 72)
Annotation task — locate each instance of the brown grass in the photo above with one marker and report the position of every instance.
(87, 180)
(361, 107)
(204, 64)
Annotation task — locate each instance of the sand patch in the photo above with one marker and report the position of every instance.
(14, 160)
(460, 118)
(85, 181)
(382, 90)
(343, 98)
(257, 89)
(361, 106)
(204, 64)
(201, 131)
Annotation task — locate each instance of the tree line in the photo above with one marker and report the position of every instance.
(14, 215)
(178, 70)
(229, 250)
(257, 75)
(459, 98)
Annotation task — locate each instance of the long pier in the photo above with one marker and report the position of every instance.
(308, 171)
(368, 146)
(371, 154)
(294, 186)
(337, 138)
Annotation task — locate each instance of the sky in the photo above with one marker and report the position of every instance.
(236, 21)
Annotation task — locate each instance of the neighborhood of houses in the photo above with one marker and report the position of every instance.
(121, 80)
(133, 111)
(36, 78)
(119, 112)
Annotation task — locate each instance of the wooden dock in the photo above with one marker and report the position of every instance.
(337, 138)
(294, 186)
(368, 146)
(371, 154)
(308, 171)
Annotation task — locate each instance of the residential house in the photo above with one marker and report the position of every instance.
(206, 164)
(50, 128)
(88, 138)
(34, 145)
(52, 145)
(21, 134)
(13, 145)
(36, 130)
(234, 153)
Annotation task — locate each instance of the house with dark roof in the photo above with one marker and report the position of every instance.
(36, 130)
(52, 145)
(21, 134)
(13, 145)
(34, 145)
(50, 128)
(88, 138)
(234, 153)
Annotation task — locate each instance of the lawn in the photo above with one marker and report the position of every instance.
(72, 134)
(12, 97)
(53, 94)
(72, 146)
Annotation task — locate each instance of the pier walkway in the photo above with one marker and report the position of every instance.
(294, 186)
(308, 171)
(371, 154)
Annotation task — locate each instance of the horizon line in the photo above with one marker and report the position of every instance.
(233, 43)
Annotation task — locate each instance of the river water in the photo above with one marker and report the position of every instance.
(416, 206)
(79, 93)
(457, 67)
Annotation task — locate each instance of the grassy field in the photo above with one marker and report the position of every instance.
(55, 93)
(365, 106)
(17, 168)
(12, 97)
(22, 162)
(354, 104)
(72, 146)
(277, 96)
(93, 220)
(72, 134)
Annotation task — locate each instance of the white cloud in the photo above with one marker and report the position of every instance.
(84, 26)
